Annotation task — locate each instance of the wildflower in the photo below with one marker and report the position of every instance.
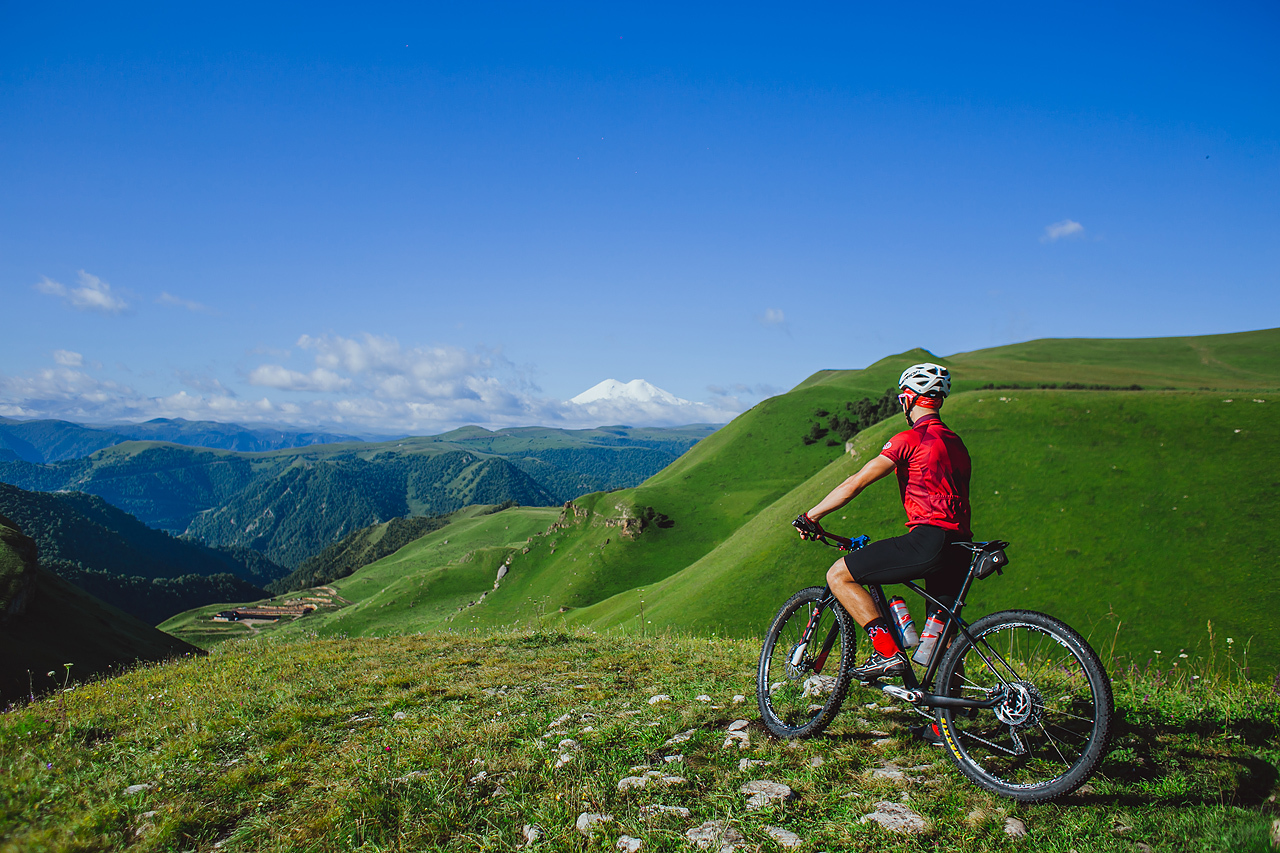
(48, 766)
(1157, 651)
(1230, 641)
(49, 673)
(1183, 655)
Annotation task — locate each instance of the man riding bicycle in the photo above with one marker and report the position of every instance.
(933, 475)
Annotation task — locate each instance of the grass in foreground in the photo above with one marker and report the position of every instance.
(452, 741)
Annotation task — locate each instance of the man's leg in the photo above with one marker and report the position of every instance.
(856, 600)
(886, 659)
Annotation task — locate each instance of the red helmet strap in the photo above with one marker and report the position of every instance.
(910, 399)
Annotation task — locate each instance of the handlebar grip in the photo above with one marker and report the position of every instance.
(806, 525)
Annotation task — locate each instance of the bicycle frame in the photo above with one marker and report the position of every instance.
(916, 691)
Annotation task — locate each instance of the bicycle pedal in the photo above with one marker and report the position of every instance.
(903, 693)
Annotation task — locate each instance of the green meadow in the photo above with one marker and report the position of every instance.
(459, 742)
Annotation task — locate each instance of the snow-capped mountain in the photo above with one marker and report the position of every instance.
(639, 403)
(635, 391)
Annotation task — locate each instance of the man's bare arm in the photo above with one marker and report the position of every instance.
(875, 469)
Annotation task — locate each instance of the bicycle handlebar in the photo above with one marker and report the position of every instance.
(810, 529)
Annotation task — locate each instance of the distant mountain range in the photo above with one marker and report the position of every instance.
(290, 504)
(41, 441)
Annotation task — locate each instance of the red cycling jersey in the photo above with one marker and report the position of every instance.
(933, 474)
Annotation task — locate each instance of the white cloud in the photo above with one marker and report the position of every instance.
(51, 287)
(93, 294)
(366, 383)
(277, 376)
(773, 317)
(1058, 230)
(67, 358)
(167, 298)
(641, 413)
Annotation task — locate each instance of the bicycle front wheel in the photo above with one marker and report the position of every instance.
(1051, 721)
(800, 683)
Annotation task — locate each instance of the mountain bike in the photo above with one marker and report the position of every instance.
(1023, 703)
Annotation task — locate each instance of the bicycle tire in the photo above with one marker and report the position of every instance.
(787, 693)
(1053, 725)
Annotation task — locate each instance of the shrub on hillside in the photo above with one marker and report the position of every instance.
(857, 416)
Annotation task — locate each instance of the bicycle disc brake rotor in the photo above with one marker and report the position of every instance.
(1022, 706)
(798, 663)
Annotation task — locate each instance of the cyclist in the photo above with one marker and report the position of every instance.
(933, 468)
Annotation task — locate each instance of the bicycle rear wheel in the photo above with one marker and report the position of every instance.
(1052, 723)
(800, 685)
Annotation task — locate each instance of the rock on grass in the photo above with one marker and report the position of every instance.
(589, 822)
(714, 835)
(761, 792)
(783, 837)
(895, 817)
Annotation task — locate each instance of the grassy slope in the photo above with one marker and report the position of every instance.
(1235, 361)
(419, 586)
(429, 579)
(1173, 535)
(1241, 360)
(335, 745)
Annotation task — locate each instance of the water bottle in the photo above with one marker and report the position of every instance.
(899, 607)
(928, 642)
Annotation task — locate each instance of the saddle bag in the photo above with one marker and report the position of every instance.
(992, 560)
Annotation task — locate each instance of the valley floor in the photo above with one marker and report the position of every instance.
(461, 741)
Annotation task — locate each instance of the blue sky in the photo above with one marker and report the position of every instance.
(407, 218)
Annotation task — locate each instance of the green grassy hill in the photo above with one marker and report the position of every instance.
(46, 623)
(1244, 360)
(422, 585)
(357, 550)
(455, 742)
(1138, 516)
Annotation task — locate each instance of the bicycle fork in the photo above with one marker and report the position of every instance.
(797, 656)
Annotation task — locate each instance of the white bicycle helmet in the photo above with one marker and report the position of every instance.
(927, 380)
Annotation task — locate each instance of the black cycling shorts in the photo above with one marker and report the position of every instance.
(925, 552)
